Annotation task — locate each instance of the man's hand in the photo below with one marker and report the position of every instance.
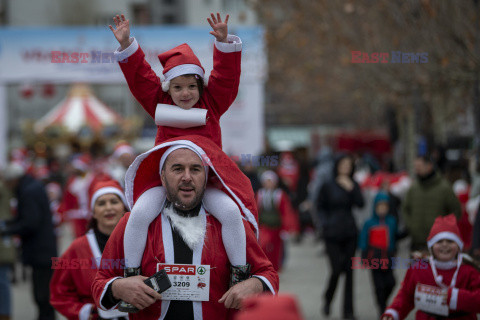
(220, 29)
(233, 298)
(133, 290)
(121, 31)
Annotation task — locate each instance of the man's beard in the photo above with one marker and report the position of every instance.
(172, 196)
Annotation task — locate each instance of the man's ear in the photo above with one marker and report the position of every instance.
(162, 177)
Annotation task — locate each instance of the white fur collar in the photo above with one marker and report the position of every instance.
(192, 229)
(446, 265)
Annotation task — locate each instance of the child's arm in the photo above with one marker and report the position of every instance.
(404, 300)
(225, 76)
(466, 299)
(141, 79)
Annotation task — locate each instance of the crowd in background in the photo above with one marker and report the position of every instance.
(341, 198)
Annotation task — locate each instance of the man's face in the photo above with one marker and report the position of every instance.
(422, 168)
(183, 176)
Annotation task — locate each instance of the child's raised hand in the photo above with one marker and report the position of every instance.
(121, 31)
(220, 29)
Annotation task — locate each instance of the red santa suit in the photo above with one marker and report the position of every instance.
(159, 248)
(461, 281)
(216, 98)
(74, 206)
(75, 270)
(274, 202)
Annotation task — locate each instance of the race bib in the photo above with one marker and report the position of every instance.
(431, 299)
(190, 282)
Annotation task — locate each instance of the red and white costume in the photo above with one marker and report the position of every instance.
(217, 97)
(460, 280)
(159, 248)
(70, 287)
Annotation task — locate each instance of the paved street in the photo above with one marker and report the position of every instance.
(304, 275)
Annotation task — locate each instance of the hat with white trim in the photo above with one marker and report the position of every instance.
(445, 227)
(179, 61)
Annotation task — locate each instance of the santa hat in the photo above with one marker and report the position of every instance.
(81, 162)
(269, 175)
(122, 148)
(445, 227)
(266, 307)
(179, 61)
(106, 187)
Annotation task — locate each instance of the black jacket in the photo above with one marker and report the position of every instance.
(33, 223)
(334, 207)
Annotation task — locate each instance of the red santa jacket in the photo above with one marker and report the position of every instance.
(75, 202)
(159, 249)
(75, 270)
(217, 97)
(463, 300)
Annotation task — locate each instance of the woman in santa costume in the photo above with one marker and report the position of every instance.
(275, 216)
(70, 287)
(182, 105)
(447, 286)
(164, 246)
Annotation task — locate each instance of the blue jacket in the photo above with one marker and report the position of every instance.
(389, 221)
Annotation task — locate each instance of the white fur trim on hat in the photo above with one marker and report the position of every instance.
(102, 191)
(180, 71)
(122, 150)
(445, 235)
(269, 175)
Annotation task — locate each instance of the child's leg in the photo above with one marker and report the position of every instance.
(145, 210)
(227, 212)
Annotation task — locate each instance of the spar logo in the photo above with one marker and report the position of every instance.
(181, 269)
(201, 270)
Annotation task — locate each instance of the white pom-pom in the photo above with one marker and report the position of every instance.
(205, 81)
(439, 278)
(166, 85)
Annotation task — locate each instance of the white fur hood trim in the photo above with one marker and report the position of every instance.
(192, 229)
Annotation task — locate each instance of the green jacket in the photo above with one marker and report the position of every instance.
(7, 248)
(426, 200)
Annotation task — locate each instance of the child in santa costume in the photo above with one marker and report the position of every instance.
(181, 105)
(70, 287)
(447, 287)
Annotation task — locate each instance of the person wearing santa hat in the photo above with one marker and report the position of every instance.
(447, 286)
(276, 216)
(185, 234)
(74, 206)
(183, 86)
(70, 287)
(121, 158)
